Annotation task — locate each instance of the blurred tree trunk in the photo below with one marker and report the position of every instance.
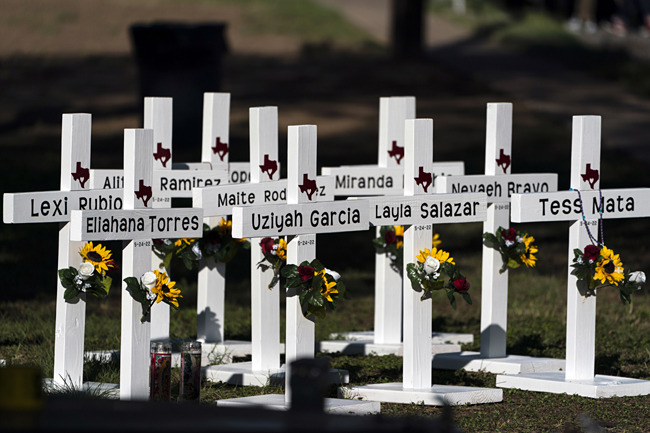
(407, 28)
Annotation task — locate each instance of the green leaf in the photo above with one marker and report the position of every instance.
(66, 276)
(414, 276)
(289, 271)
(70, 294)
(467, 298)
(512, 263)
(490, 241)
(316, 282)
(317, 265)
(452, 299)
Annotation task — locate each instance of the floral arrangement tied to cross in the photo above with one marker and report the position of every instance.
(216, 242)
(516, 248)
(153, 287)
(599, 267)
(275, 257)
(319, 289)
(91, 276)
(390, 242)
(425, 276)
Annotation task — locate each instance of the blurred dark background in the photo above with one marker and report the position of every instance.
(323, 62)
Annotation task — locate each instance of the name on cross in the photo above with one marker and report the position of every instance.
(619, 203)
(136, 224)
(221, 200)
(421, 209)
(55, 206)
(167, 183)
(309, 218)
(498, 188)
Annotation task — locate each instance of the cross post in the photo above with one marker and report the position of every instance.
(585, 195)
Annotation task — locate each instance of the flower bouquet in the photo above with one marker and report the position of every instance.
(425, 276)
(516, 248)
(91, 276)
(216, 242)
(390, 242)
(187, 249)
(275, 257)
(318, 288)
(153, 287)
(599, 267)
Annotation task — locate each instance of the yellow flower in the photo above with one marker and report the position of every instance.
(436, 240)
(528, 258)
(164, 288)
(327, 289)
(224, 226)
(440, 255)
(610, 268)
(98, 255)
(179, 242)
(422, 257)
(281, 252)
(399, 236)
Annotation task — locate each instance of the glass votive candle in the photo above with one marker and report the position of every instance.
(160, 370)
(190, 389)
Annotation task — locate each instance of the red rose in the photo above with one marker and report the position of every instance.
(509, 235)
(389, 237)
(591, 252)
(461, 285)
(267, 245)
(305, 272)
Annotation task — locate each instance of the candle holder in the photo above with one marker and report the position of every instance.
(160, 370)
(190, 389)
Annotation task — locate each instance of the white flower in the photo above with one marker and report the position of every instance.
(275, 249)
(334, 274)
(86, 270)
(519, 239)
(149, 280)
(509, 243)
(431, 265)
(638, 278)
(196, 249)
(579, 260)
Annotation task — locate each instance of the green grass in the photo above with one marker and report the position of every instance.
(536, 327)
(305, 19)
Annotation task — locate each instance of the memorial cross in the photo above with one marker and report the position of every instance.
(499, 184)
(303, 217)
(387, 178)
(177, 180)
(417, 211)
(585, 196)
(137, 224)
(55, 206)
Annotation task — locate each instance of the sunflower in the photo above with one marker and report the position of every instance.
(281, 252)
(440, 255)
(399, 236)
(436, 240)
(164, 288)
(528, 258)
(98, 255)
(180, 242)
(224, 227)
(610, 268)
(327, 289)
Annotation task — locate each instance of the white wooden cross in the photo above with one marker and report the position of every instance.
(499, 184)
(136, 225)
(387, 178)
(55, 206)
(418, 210)
(179, 183)
(579, 377)
(304, 217)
